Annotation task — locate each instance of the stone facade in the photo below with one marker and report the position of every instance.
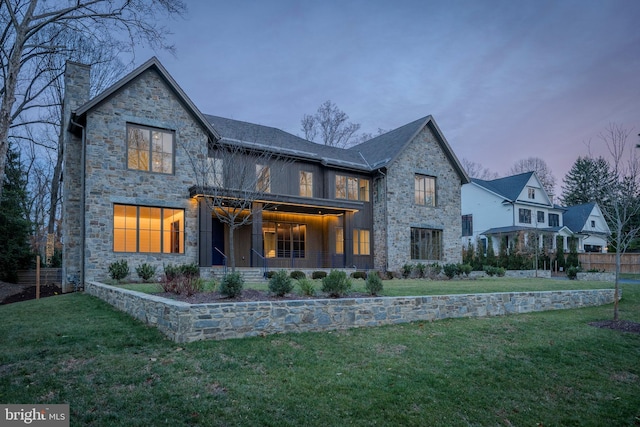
(183, 322)
(147, 101)
(396, 211)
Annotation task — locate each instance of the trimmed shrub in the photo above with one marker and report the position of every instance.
(171, 272)
(307, 287)
(336, 284)
(270, 274)
(466, 269)
(421, 269)
(318, 274)
(297, 274)
(373, 284)
(119, 270)
(281, 284)
(146, 271)
(190, 270)
(406, 270)
(435, 269)
(451, 270)
(572, 272)
(231, 285)
(359, 275)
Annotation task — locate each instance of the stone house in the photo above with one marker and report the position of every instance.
(508, 207)
(136, 187)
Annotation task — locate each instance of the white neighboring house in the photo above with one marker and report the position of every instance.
(505, 207)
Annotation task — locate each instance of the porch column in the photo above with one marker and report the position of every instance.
(205, 234)
(256, 236)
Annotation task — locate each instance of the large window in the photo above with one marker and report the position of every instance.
(467, 225)
(361, 242)
(352, 188)
(149, 149)
(425, 190)
(284, 240)
(540, 217)
(306, 184)
(148, 229)
(554, 220)
(524, 216)
(426, 244)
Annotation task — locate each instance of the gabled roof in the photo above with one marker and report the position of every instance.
(385, 148)
(576, 217)
(508, 187)
(154, 64)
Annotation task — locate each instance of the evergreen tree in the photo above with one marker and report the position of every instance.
(491, 253)
(15, 227)
(587, 181)
(572, 258)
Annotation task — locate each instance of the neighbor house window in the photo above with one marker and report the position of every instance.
(284, 240)
(525, 216)
(352, 188)
(339, 240)
(149, 149)
(554, 220)
(426, 244)
(425, 190)
(306, 184)
(467, 225)
(593, 224)
(148, 229)
(361, 242)
(540, 217)
(263, 179)
(532, 193)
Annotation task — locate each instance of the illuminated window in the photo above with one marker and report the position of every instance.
(352, 188)
(148, 229)
(149, 149)
(425, 190)
(263, 179)
(306, 184)
(284, 240)
(339, 240)
(361, 242)
(426, 244)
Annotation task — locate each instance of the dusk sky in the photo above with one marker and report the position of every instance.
(504, 80)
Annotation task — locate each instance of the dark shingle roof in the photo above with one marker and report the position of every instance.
(508, 187)
(576, 216)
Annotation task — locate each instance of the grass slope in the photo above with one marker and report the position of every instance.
(534, 369)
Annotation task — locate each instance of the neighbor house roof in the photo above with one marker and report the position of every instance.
(576, 217)
(508, 187)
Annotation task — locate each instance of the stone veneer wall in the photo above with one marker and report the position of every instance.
(424, 155)
(183, 322)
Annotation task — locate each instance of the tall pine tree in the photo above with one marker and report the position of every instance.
(587, 181)
(15, 227)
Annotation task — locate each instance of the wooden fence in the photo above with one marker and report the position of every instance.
(47, 276)
(630, 262)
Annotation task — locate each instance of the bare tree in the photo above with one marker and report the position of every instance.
(234, 178)
(330, 125)
(476, 170)
(539, 166)
(32, 32)
(620, 203)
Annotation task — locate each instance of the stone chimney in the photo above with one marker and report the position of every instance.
(76, 93)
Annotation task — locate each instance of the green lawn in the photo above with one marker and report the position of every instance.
(546, 369)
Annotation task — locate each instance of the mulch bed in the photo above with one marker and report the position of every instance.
(618, 325)
(247, 295)
(11, 292)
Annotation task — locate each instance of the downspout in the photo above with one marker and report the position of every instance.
(82, 204)
(386, 233)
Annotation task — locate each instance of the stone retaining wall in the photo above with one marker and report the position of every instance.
(183, 322)
(600, 276)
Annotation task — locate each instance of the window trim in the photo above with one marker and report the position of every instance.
(352, 188)
(150, 153)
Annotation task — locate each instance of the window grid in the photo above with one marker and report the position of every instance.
(524, 216)
(148, 229)
(149, 149)
(306, 184)
(361, 242)
(426, 244)
(425, 190)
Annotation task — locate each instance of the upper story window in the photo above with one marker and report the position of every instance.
(352, 188)
(467, 225)
(593, 223)
(149, 149)
(425, 190)
(263, 179)
(540, 217)
(532, 193)
(554, 220)
(525, 216)
(306, 184)
(215, 172)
